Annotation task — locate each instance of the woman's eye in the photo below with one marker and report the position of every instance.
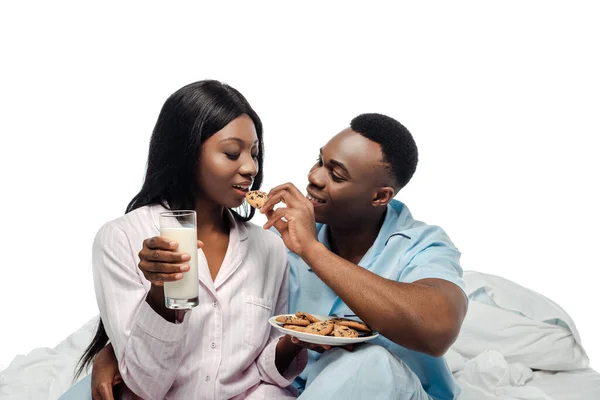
(232, 156)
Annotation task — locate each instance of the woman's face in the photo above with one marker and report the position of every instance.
(228, 163)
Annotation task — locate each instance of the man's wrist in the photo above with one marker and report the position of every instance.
(313, 252)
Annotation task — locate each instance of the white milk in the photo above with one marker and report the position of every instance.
(186, 288)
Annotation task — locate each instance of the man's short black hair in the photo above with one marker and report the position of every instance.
(397, 144)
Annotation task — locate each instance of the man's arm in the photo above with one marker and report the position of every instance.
(424, 316)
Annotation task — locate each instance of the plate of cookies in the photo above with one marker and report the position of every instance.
(321, 329)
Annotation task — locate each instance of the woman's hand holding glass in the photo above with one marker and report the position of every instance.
(160, 262)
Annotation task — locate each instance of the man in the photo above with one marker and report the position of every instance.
(366, 256)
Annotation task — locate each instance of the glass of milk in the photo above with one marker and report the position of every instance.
(180, 225)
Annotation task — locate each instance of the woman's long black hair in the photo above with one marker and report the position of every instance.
(188, 118)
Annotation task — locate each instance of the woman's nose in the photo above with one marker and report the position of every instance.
(249, 166)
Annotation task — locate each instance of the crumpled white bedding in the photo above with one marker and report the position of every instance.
(515, 344)
(46, 373)
(509, 333)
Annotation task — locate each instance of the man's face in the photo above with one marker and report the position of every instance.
(343, 182)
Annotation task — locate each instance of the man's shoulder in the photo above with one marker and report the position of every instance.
(404, 225)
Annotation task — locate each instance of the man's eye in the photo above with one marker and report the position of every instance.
(320, 161)
(232, 156)
(336, 178)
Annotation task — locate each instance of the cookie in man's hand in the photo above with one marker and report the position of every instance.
(256, 198)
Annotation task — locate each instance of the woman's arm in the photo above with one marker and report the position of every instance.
(147, 346)
(281, 360)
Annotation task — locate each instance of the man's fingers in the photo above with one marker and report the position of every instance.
(275, 216)
(158, 242)
(289, 187)
(278, 223)
(273, 199)
(294, 192)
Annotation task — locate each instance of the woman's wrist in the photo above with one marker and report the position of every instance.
(285, 352)
(156, 300)
(285, 345)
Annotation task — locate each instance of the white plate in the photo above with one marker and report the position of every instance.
(319, 339)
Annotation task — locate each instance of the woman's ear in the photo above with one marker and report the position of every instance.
(383, 196)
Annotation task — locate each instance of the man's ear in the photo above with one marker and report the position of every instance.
(383, 196)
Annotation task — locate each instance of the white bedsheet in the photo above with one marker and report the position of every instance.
(509, 333)
(46, 373)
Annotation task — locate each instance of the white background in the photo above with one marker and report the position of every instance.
(503, 100)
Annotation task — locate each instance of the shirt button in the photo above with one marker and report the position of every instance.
(212, 345)
(214, 303)
(207, 378)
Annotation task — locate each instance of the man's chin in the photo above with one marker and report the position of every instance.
(320, 217)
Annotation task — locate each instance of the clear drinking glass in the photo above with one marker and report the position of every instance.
(180, 225)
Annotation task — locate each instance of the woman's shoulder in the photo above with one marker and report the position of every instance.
(141, 222)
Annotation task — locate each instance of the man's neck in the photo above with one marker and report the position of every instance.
(352, 242)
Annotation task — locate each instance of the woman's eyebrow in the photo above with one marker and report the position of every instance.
(237, 140)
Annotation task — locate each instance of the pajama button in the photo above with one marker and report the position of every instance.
(212, 345)
(207, 378)
(214, 303)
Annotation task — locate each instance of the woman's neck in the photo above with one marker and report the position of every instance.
(211, 218)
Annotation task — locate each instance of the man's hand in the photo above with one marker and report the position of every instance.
(105, 374)
(295, 222)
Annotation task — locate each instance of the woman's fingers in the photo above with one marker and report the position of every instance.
(157, 242)
(320, 348)
(161, 263)
(163, 256)
(162, 268)
(160, 279)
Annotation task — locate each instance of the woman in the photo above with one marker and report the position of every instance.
(206, 152)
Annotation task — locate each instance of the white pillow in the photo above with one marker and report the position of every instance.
(522, 325)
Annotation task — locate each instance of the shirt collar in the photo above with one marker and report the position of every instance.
(397, 219)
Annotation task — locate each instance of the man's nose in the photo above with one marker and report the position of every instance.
(316, 177)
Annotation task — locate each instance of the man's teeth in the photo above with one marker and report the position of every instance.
(244, 188)
(308, 196)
